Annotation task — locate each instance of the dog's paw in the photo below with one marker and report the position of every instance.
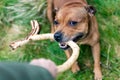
(75, 68)
(98, 75)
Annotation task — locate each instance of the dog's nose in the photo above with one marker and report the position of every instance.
(58, 36)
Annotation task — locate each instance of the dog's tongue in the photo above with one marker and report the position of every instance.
(63, 45)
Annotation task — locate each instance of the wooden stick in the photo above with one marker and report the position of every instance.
(19, 43)
(34, 31)
(34, 36)
(67, 65)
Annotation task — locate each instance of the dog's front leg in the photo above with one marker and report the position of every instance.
(75, 66)
(96, 57)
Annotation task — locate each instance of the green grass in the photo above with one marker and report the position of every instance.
(15, 19)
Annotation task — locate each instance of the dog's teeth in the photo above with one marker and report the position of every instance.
(63, 45)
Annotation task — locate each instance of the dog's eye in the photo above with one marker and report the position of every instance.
(73, 23)
(56, 22)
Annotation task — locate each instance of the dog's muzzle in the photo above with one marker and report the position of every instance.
(58, 36)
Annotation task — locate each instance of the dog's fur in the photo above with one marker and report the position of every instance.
(75, 20)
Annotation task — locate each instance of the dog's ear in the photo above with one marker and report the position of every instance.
(91, 10)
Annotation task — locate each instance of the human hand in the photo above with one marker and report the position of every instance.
(47, 64)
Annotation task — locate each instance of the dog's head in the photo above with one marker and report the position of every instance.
(72, 23)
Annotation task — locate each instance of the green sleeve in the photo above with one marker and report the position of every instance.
(20, 71)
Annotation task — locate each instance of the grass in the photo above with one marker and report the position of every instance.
(14, 25)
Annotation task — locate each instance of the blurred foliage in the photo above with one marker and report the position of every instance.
(15, 17)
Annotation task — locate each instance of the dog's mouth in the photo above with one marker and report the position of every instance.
(63, 45)
(76, 38)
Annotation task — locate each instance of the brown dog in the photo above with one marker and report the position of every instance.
(75, 20)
